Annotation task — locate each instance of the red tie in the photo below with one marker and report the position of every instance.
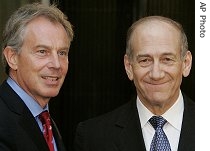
(47, 129)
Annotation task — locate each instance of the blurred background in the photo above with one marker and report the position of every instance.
(96, 81)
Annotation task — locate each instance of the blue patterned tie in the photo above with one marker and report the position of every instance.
(160, 141)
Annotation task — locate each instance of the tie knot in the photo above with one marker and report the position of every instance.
(157, 121)
(44, 117)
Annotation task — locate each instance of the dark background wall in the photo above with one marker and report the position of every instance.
(96, 81)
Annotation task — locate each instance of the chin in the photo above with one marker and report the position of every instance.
(158, 97)
(51, 94)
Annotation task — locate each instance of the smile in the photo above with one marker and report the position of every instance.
(50, 78)
(156, 83)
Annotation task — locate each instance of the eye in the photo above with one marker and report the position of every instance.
(41, 52)
(168, 60)
(144, 61)
(63, 53)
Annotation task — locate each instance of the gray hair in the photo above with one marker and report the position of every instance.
(13, 34)
(178, 26)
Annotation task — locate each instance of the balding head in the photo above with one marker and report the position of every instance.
(153, 24)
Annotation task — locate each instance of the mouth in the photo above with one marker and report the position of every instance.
(153, 82)
(50, 78)
(157, 83)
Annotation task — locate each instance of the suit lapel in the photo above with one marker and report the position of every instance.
(26, 121)
(58, 138)
(30, 126)
(187, 136)
(130, 135)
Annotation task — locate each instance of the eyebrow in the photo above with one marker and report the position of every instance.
(48, 47)
(142, 55)
(147, 55)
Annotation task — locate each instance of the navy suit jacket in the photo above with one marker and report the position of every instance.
(120, 130)
(19, 130)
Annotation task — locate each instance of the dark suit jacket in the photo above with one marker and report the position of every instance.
(19, 130)
(120, 130)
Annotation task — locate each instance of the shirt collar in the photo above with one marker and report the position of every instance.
(174, 115)
(32, 105)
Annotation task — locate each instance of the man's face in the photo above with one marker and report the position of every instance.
(157, 67)
(42, 63)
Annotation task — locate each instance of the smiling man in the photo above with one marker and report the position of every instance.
(161, 117)
(36, 42)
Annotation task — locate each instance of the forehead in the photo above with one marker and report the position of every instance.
(43, 24)
(155, 28)
(155, 36)
(42, 30)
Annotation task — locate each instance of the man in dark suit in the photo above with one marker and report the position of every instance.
(36, 42)
(156, 59)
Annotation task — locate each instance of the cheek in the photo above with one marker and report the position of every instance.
(64, 66)
(140, 72)
(138, 76)
(25, 63)
(177, 72)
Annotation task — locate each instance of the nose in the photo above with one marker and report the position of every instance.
(156, 71)
(54, 61)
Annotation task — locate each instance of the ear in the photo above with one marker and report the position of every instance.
(11, 57)
(128, 67)
(187, 64)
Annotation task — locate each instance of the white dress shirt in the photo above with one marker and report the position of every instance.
(172, 128)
